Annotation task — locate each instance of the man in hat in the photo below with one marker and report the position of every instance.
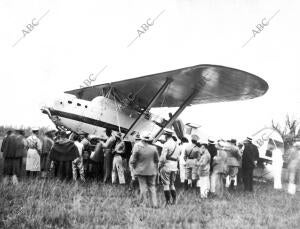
(132, 172)
(211, 147)
(183, 145)
(203, 167)
(232, 161)
(249, 161)
(63, 153)
(13, 148)
(240, 173)
(47, 144)
(144, 162)
(33, 161)
(77, 164)
(219, 170)
(118, 152)
(168, 163)
(192, 152)
(21, 153)
(107, 148)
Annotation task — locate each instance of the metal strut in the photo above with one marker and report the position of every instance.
(151, 103)
(177, 113)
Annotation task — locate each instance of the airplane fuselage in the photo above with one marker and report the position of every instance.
(82, 116)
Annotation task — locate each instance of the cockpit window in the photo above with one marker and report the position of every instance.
(70, 102)
(78, 104)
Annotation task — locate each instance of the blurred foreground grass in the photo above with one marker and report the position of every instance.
(37, 203)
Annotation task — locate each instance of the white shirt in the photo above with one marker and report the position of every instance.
(79, 147)
(182, 152)
(168, 149)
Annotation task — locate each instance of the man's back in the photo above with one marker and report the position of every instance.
(47, 143)
(170, 155)
(21, 144)
(10, 147)
(192, 151)
(144, 159)
(212, 150)
(248, 157)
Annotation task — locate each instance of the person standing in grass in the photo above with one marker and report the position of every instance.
(107, 148)
(63, 153)
(191, 154)
(294, 167)
(184, 144)
(249, 161)
(77, 164)
(240, 173)
(118, 169)
(144, 161)
(33, 160)
(232, 161)
(277, 163)
(47, 144)
(203, 167)
(13, 148)
(211, 147)
(21, 150)
(132, 172)
(219, 171)
(168, 164)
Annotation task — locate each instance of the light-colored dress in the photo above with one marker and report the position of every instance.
(277, 163)
(33, 161)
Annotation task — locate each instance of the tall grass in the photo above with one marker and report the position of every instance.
(36, 203)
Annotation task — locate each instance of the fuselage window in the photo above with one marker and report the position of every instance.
(60, 102)
(85, 106)
(69, 102)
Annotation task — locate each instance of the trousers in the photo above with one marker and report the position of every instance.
(147, 183)
(248, 179)
(107, 165)
(118, 170)
(77, 165)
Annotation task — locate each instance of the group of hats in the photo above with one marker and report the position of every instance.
(147, 136)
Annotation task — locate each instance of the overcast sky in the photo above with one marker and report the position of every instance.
(74, 39)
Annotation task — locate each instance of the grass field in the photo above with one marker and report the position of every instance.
(37, 203)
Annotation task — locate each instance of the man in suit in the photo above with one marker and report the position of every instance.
(144, 161)
(249, 161)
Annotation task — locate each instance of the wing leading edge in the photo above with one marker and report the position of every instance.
(213, 84)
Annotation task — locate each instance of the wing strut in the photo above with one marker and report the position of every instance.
(177, 113)
(151, 103)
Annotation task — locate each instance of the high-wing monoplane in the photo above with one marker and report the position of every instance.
(125, 105)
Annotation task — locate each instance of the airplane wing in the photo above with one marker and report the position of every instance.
(213, 84)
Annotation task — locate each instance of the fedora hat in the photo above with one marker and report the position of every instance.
(146, 136)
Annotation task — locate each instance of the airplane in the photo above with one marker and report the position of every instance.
(124, 106)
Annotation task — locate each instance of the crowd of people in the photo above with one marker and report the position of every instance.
(209, 167)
